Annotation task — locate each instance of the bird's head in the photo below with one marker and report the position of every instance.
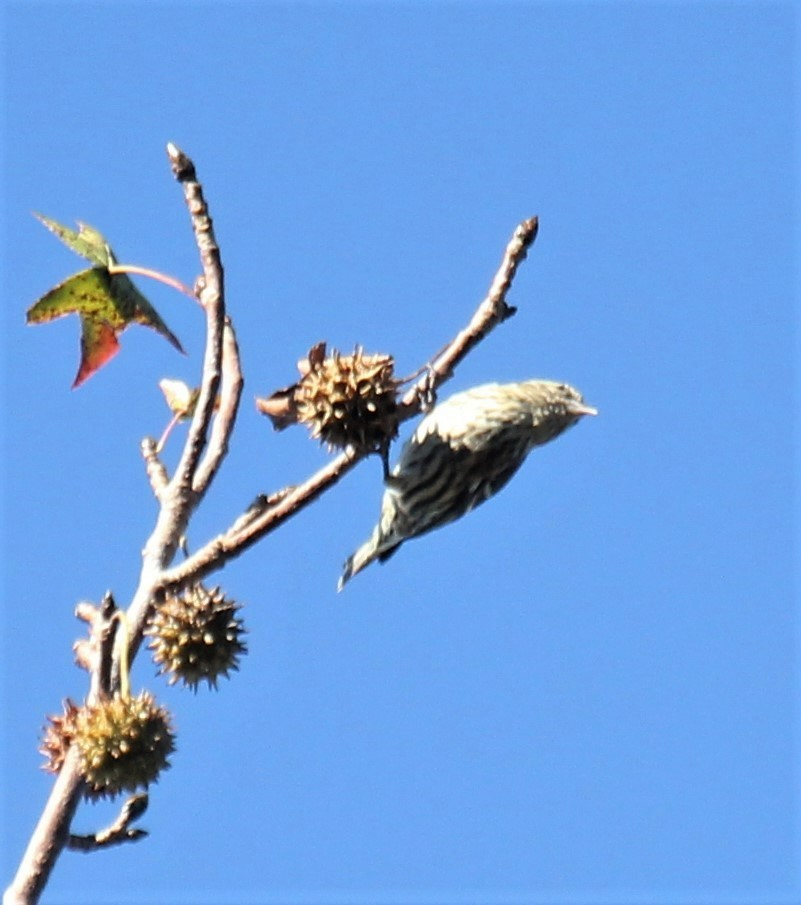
(554, 408)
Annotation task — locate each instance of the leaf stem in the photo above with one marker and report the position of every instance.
(153, 275)
(122, 648)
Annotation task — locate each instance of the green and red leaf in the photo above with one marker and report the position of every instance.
(106, 302)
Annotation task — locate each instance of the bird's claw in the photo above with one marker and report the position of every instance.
(427, 390)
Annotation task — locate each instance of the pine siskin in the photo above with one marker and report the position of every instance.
(464, 451)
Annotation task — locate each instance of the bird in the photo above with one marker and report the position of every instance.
(463, 452)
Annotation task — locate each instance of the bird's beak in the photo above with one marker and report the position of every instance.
(581, 408)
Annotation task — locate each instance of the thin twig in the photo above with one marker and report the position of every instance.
(491, 312)
(104, 632)
(116, 833)
(225, 419)
(156, 470)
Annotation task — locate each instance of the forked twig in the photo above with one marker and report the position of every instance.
(116, 833)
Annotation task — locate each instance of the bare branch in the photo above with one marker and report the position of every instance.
(183, 492)
(491, 312)
(211, 294)
(257, 522)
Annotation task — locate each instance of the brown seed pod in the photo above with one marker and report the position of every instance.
(196, 636)
(345, 400)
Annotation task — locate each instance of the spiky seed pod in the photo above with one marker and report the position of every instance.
(196, 636)
(124, 742)
(464, 451)
(58, 737)
(349, 399)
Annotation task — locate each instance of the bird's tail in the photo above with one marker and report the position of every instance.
(375, 548)
(358, 561)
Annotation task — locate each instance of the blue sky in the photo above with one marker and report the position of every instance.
(584, 692)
